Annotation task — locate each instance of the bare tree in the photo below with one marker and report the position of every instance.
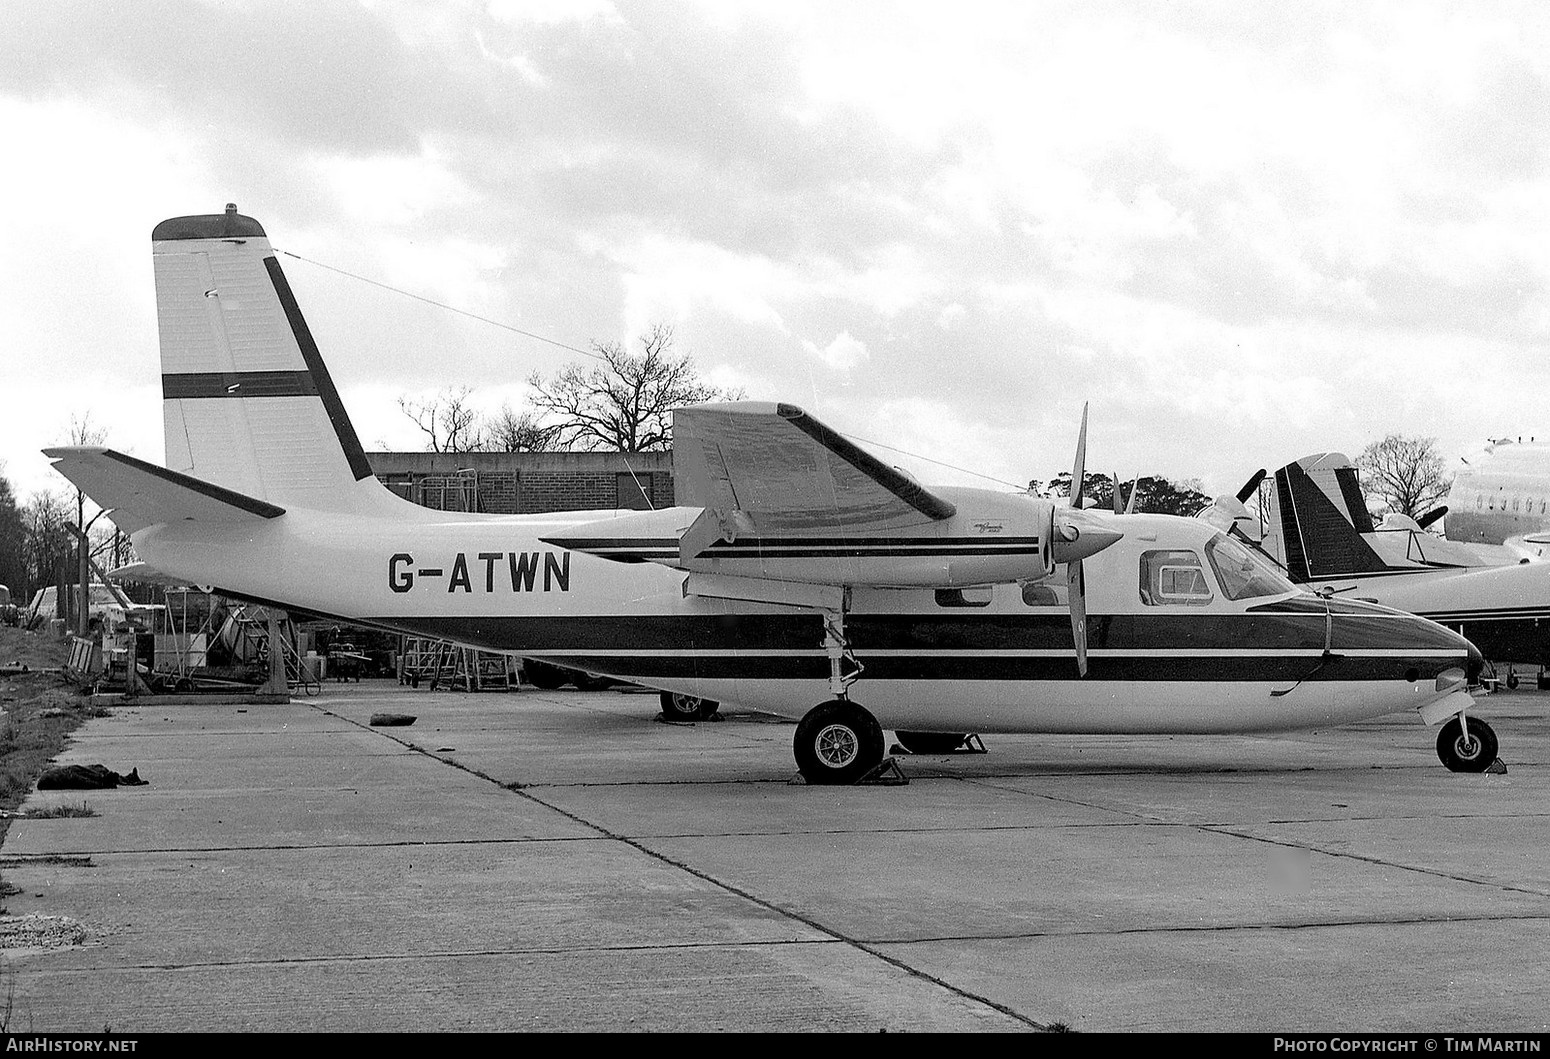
(1406, 473)
(625, 403)
(508, 431)
(13, 540)
(450, 423)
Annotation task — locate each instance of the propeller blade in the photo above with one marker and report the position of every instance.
(1130, 505)
(1076, 596)
(1079, 469)
(1118, 509)
(1431, 516)
(1251, 486)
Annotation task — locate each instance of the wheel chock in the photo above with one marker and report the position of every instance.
(886, 774)
(1497, 768)
(972, 744)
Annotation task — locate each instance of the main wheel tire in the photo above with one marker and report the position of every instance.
(837, 742)
(542, 675)
(679, 707)
(1512, 682)
(931, 742)
(1474, 753)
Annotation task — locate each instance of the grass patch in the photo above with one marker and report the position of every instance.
(57, 812)
(41, 712)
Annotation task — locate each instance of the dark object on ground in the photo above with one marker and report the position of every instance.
(391, 720)
(87, 778)
(548, 677)
(680, 707)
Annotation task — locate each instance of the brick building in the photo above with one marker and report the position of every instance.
(506, 483)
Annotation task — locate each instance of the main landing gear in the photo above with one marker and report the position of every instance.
(838, 742)
(1466, 746)
(680, 707)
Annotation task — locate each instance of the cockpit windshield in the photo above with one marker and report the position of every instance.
(1242, 572)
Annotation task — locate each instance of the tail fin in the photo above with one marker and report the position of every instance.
(1320, 516)
(246, 400)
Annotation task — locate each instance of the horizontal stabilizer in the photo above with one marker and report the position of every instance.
(141, 494)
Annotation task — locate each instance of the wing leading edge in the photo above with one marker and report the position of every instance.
(787, 472)
(142, 494)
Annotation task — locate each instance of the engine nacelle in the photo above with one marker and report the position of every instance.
(992, 538)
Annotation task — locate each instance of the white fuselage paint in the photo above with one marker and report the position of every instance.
(343, 565)
(1501, 494)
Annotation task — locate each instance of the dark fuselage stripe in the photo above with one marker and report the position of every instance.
(1246, 668)
(968, 634)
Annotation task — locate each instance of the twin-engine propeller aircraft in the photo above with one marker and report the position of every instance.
(799, 575)
(1315, 524)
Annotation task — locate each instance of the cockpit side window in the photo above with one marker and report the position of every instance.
(1173, 577)
(1242, 572)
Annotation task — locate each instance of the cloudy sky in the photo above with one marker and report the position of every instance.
(1243, 232)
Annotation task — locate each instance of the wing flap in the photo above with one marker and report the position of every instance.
(789, 472)
(141, 494)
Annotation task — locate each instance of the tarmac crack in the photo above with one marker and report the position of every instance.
(1216, 928)
(1435, 873)
(1236, 831)
(770, 906)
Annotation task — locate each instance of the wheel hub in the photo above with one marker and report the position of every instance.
(837, 746)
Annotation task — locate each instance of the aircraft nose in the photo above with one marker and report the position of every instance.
(1475, 665)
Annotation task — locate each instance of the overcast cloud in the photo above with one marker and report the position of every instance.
(1244, 232)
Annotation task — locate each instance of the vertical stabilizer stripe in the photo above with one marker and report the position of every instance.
(353, 452)
(190, 384)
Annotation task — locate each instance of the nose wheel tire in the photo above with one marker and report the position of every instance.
(1474, 752)
(837, 742)
(679, 707)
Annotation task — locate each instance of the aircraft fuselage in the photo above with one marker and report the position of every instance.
(1001, 660)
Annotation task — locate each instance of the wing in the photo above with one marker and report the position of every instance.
(142, 494)
(787, 472)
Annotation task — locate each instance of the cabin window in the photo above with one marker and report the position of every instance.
(1173, 577)
(1037, 595)
(964, 597)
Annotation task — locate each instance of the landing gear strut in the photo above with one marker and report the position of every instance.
(838, 741)
(1466, 746)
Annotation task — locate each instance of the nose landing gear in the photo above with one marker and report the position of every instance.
(1466, 746)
